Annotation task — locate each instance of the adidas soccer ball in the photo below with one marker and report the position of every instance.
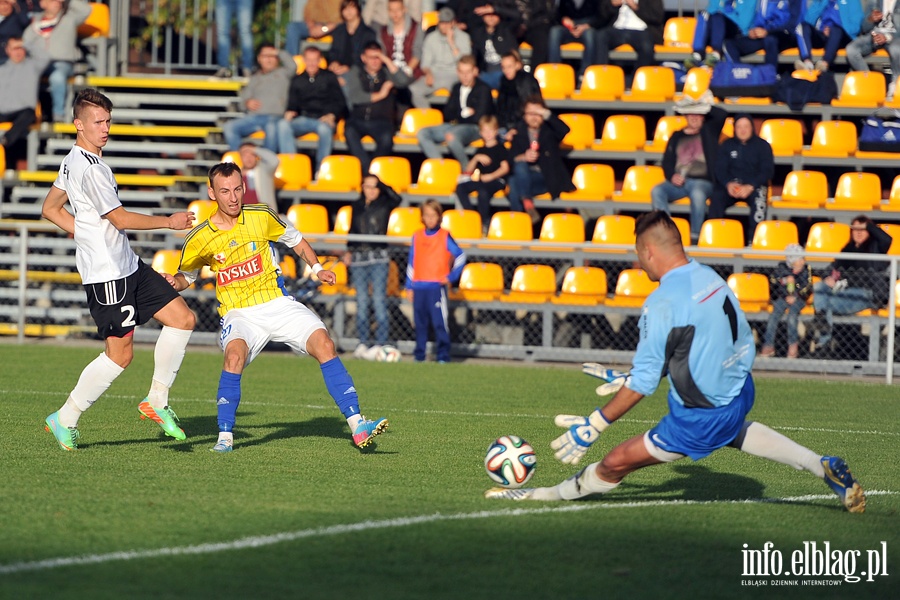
(388, 354)
(510, 461)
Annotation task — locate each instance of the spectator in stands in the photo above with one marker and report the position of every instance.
(402, 40)
(349, 39)
(639, 24)
(377, 13)
(369, 262)
(536, 16)
(537, 162)
(56, 27)
(772, 30)
(722, 19)
(441, 50)
(14, 19)
(689, 160)
(491, 39)
(879, 30)
(516, 86)
(469, 12)
(790, 285)
(18, 102)
(852, 285)
(743, 169)
(258, 167)
(226, 10)
(435, 261)
(315, 104)
(470, 99)
(371, 90)
(311, 19)
(264, 98)
(575, 21)
(487, 171)
(828, 24)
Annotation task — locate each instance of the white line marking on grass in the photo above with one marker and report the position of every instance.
(290, 536)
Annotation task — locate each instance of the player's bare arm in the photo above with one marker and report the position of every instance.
(124, 220)
(308, 255)
(624, 400)
(54, 210)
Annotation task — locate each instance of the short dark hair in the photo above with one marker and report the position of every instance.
(656, 218)
(347, 3)
(512, 54)
(534, 99)
(265, 45)
(225, 169)
(90, 97)
(373, 45)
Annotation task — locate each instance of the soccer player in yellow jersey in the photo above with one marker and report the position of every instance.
(235, 242)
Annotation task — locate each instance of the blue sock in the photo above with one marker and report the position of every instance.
(340, 386)
(229, 396)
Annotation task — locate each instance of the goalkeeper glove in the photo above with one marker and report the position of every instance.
(614, 379)
(583, 431)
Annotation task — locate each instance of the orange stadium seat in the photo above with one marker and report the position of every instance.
(562, 228)
(582, 131)
(857, 192)
(784, 135)
(462, 224)
(601, 83)
(611, 230)
(622, 133)
(531, 284)
(166, 261)
(437, 177)
(638, 182)
(632, 288)
(415, 119)
(510, 226)
(652, 84)
(665, 127)
(678, 35)
(294, 172)
(836, 139)
(593, 182)
(827, 237)
(309, 218)
(696, 82)
(404, 221)
(893, 230)
(892, 204)
(722, 234)
(337, 173)
(392, 170)
(479, 282)
(342, 220)
(429, 19)
(803, 189)
(751, 290)
(582, 285)
(556, 80)
(233, 156)
(774, 235)
(861, 89)
(684, 227)
(202, 209)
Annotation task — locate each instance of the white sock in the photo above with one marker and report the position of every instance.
(94, 380)
(763, 441)
(353, 421)
(583, 484)
(167, 357)
(227, 437)
(69, 413)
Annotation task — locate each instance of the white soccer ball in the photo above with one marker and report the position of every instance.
(510, 461)
(388, 354)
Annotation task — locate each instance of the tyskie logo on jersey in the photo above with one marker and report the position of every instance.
(240, 271)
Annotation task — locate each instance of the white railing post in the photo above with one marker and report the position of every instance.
(23, 281)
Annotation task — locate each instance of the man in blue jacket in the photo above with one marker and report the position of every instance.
(722, 19)
(828, 24)
(772, 29)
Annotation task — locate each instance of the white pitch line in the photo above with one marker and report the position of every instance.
(331, 530)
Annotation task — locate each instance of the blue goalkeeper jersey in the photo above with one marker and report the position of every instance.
(693, 331)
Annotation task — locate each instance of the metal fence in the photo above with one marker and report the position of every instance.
(41, 295)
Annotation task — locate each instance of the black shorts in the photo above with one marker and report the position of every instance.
(121, 305)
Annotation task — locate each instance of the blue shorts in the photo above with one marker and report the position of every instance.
(697, 432)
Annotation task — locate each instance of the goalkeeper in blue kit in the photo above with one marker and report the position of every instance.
(693, 331)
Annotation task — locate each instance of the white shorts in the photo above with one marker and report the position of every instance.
(279, 320)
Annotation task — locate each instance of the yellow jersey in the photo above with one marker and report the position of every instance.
(242, 257)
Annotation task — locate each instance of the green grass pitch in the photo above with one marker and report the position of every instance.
(297, 512)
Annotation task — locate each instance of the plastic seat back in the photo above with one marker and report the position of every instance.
(97, 22)
(582, 285)
(479, 282)
(592, 182)
(784, 135)
(665, 127)
(532, 284)
(415, 119)
(342, 220)
(652, 84)
(404, 221)
(463, 224)
(562, 228)
(835, 139)
(623, 133)
(582, 131)
(751, 290)
(638, 181)
(309, 218)
(721, 233)
(856, 191)
(601, 83)
(774, 235)
(338, 173)
(437, 177)
(614, 230)
(803, 189)
(862, 89)
(294, 172)
(392, 170)
(166, 261)
(510, 226)
(556, 80)
(827, 237)
(632, 288)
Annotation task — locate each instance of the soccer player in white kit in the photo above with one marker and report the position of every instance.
(122, 291)
(236, 243)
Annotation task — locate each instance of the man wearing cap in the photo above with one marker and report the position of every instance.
(689, 159)
(441, 50)
(744, 167)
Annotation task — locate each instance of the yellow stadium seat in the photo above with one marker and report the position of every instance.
(462, 224)
(429, 19)
(337, 173)
(665, 127)
(415, 119)
(531, 284)
(309, 218)
(632, 288)
(696, 82)
(556, 80)
(721, 234)
(294, 172)
(861, 89)
(97, 22)
(774, 235)
(166, 261)
(678, 35)
(404, 221)
(593, 182)
(651, 84)
(392, 170)
(727, 129)
(892, 204)
(342, 220)
(479, 282)
(341, 284)
(288, 266)
(601, 83)
(611, 230)
(437, 177)
(582, 131)
(834, 139)
(582, 285)
(510, 226)
(784, 135)
(827, 237)
(751, 290)
(562, 228)
(638, 182)
(202, 209)
(803, 189)
(893, 230)
(2, 159)
(857, 192)
(684, 227)
(233, 156)
(622, 133)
